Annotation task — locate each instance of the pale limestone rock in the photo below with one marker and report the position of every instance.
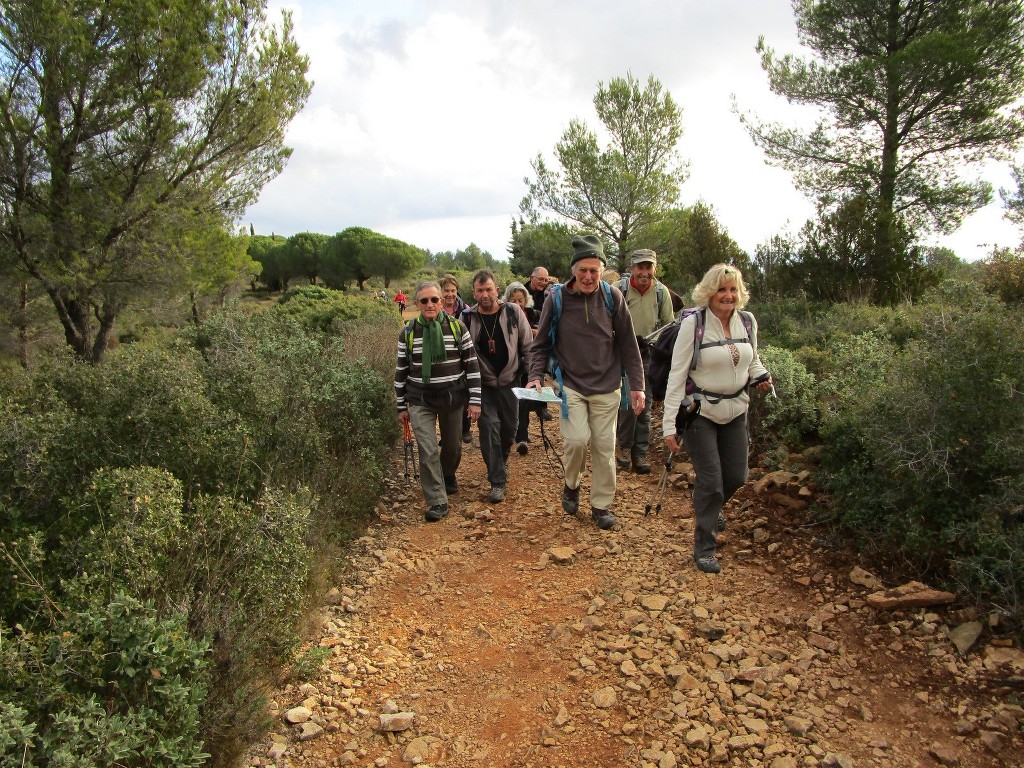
(965, 635)
(298, 714)
(864, 578)
(398, 721)
(423, 749)
(913, 594)
(604, 697)
(562, 555)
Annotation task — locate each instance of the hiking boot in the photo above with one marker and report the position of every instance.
(721, 521)
(497, 494)
(522, 449)
(451, 485)
(708, 564)
(467, 436)
(622, 457)
(602, 518)
(570, 500)
(436, 512)
(641, 466)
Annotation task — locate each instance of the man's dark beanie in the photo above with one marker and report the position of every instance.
(585, 247)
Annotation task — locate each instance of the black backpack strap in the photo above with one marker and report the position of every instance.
(717, 397)
(513, 318)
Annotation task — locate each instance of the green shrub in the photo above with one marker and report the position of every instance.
(924, 444)
(321, 309)
(792, 417)
(125, 534)
(858, 368)
(310, 410)
(108, 683)
(142, 407)
(212, 479)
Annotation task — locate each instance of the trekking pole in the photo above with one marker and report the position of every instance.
(762, 378)
(659, 490)
(651, 337)
(410, 452)
(549, 446)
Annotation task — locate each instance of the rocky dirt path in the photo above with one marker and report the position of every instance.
(513, 635)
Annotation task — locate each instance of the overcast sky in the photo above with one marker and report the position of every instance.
(425, 115)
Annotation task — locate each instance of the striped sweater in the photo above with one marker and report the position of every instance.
(459, 370)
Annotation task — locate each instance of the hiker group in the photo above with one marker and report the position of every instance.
(598, 342)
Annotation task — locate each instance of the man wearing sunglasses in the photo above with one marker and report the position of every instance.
(436, 375)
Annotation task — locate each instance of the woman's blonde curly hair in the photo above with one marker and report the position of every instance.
(714, 279)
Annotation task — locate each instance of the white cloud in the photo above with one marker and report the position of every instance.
(425, 115)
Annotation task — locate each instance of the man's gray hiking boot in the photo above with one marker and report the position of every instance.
(708, 564)
(721, 521)
(570, 500)
(602, 518)
(497, 494)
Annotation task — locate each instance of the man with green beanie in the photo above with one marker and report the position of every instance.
(436, 376)
(593, 343)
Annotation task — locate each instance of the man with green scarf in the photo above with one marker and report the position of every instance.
(436, 375)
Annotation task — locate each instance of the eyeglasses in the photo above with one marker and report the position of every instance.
(429, 300)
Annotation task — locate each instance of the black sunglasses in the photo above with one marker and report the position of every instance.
(429, 300)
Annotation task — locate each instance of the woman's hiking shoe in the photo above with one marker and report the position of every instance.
(641, 466)
(497, 494)
(570, 500)
(721, 521)
(602, 518)
(436, 512)
(708, 564)
(522, 449)
(451, 485)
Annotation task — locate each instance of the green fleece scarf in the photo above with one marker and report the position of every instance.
(433, 345)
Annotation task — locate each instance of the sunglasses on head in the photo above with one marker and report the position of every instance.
(429, 300)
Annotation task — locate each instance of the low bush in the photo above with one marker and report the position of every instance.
(926, 444)
(212, 479)
(792, 416)
(103, 683)
(309, 409)
(143, 407)
(322, 309)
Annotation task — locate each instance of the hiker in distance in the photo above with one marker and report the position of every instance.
(437, 377)
(650, 306)
(502, 335)
(539, 287)
(586, 329)
(712, 421)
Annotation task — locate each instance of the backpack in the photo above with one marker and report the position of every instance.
(660, 291)
(554, 367)
(661, 350)
(453, 323)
